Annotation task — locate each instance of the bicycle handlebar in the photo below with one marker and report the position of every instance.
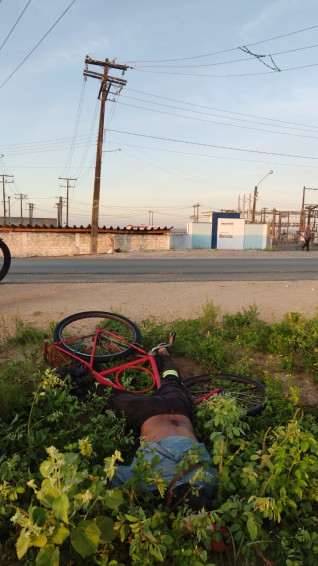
(172, 338)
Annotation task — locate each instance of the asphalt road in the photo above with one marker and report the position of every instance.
(303, 266)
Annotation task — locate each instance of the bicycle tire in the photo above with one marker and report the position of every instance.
(249, 393)
(5, 259)
(75, 333)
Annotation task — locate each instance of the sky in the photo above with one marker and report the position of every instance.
(218, 93)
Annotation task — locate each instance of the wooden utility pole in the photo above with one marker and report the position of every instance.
(303, 209)
(274, 223)
(196, 212)
(150, 218)
(31, 209)
(21, 197)
(67, 187)
(9, 210)
(287, 231)
(279, 225)
(4, 181)
(254, 204)
(302, 214)
(256, 194)
(59, 206)
(106, 83)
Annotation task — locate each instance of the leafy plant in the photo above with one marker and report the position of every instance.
(59, 455)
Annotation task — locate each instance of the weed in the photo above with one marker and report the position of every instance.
(247, 328)
(25, 333)
(59, 454)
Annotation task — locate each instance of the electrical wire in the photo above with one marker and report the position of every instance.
(215, 146)
(172, 170)
(78, 116)
(225, 50)
(271, 72)
(109, 119)
(80, 167)
(24, 145)
(211, 156)
(228, 62)
(37, 45)
(218, 123)
(11, 30)
(216, 115)
(46, 148)
(217, 109)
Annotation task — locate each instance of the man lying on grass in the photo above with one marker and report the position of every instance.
(164, 423)
(169, 445)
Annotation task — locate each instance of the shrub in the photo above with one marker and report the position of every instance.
(59, 454)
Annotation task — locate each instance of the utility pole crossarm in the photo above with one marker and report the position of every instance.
(93, 75)
(110, 64)
(100, 76)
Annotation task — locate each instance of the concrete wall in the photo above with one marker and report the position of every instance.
(41, 243)
(53, 244)
(200, 234)
(230, 233)
(180, 241)
(256, 236)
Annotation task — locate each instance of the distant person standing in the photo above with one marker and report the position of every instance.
(307, 236)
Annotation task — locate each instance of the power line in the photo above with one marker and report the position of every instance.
(244, 48)
(40, 142)
(171, 170)
(216, 157)
(60, 143)
(219, 123)
(228, 75)
(38, 149)
(78, 116)
(37, 45)
(215, 146)
(224, 50)
(10, 32)
(216, 115)
(218, 109)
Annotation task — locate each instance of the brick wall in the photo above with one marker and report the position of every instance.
(39, 243)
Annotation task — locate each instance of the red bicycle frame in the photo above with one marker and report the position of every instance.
(56, 355)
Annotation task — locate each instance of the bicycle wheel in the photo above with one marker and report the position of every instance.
(5, 259)
(250, 394)
(76, 334)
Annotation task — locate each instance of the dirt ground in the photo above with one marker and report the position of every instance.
(40, 304)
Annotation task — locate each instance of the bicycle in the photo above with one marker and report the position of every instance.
(92, 339)
(299, 240)
(5, 259)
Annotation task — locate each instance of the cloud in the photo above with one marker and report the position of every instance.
(273, 12)
(64, 55)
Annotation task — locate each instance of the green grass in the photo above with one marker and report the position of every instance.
(267, 465)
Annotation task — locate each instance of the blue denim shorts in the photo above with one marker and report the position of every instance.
(171, 451)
